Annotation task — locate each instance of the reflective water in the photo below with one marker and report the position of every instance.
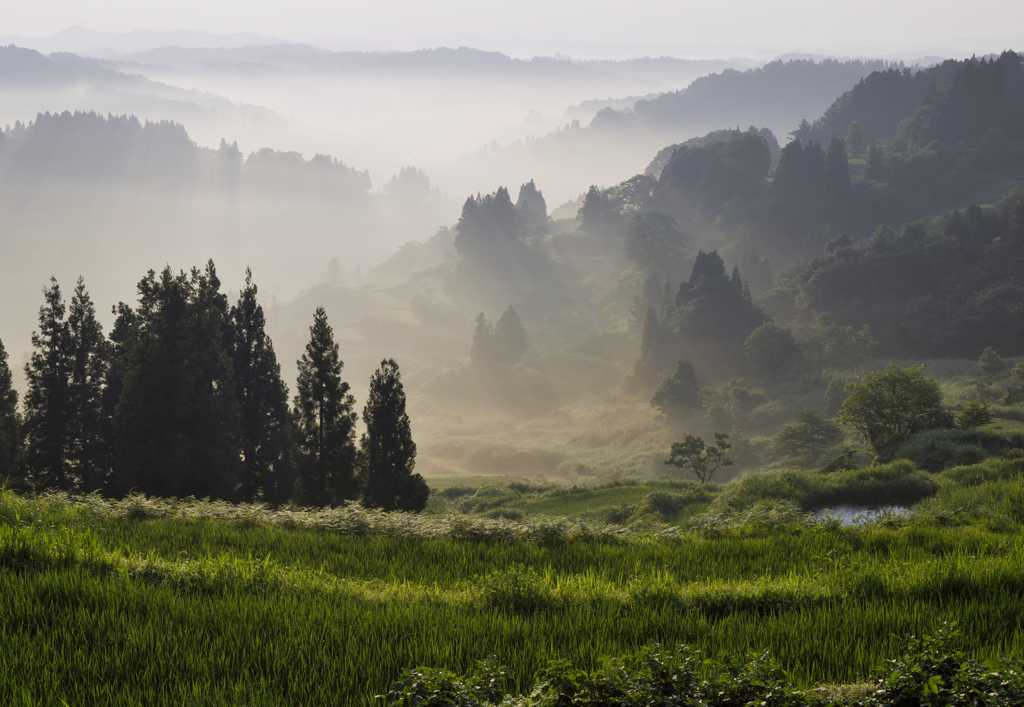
(858, 514)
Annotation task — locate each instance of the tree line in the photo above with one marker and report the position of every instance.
(184, 397)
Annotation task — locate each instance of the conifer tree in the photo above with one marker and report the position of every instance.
(177, 419)
(89, 429)
(510, 343)
(46, 403)
(121, 334)
(483, 351)
(388, 446)
(262, 400)
(652, 361)
(10, 424)
(837, 168)
(325, 421)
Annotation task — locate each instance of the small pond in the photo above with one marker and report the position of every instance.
(859, 513)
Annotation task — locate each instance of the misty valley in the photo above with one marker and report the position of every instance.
(329, 378)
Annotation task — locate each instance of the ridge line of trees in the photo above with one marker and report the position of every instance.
(185, 398)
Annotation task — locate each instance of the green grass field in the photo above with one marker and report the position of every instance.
(190, 603)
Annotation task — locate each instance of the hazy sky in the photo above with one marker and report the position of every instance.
(585, 28)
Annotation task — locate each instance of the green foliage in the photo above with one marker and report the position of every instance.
(499, 346)
(655, 350)
(324, 421)
(1018, 372)
(974, 415)
(46, 402)
(855, 139)
(598, 215)
(714, 314)
(90, 427)
(263, 403)
(510, 340)
(935, 450)
(991, 363)
(144, 577)
(678, 393)
(892, 404)
(10, 424)
(693, 455)
(932, 671)
(806, 441)
(489, 229)
(896, 482)
(388, 447)
(835, 348)
(771, 350)
(177, 387)
(487, 684)
(654, 242)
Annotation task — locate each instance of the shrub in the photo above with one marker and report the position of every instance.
(804, 442)
(896, 482)
(892, 404)
(936, 450)
(974, 415)
(771, 350)
(678, 393)
(991, 364)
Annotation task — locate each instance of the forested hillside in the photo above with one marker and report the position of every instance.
(776, 96)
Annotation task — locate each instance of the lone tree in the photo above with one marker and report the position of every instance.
(387, 444)
(892, 404)
(325, 421)
(693, 455)
(10, 423)
(804, 442)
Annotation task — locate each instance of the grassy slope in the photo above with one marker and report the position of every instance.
(209, 604)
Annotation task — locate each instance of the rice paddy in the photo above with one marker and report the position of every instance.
(149, 602)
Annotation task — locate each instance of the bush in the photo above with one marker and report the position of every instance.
(931, 672)
(803, 443)
(897, 482)
(771, 350)
(892, 404)
(974, 415)
(936, 450)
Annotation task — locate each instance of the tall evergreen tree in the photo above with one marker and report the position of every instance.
(89, 429)
(177, 419)
(837, 168)
(121, 334)
(655, 356)
(388, 446)
(46, 403)
(10, 424)
(483, 351)
(510, 343)
(325, 420)
(262, 400)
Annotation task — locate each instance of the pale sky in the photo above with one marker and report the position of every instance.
(583, 28)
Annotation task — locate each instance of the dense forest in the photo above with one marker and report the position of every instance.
(184, 397)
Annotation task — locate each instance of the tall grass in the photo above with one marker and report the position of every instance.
(169, 603)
